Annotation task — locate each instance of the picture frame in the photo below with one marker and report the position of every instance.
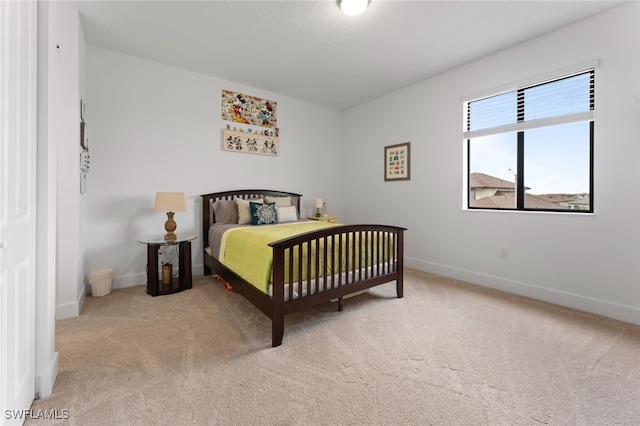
(397, 162)
(250, 143)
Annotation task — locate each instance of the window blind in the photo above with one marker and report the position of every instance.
(566, 100)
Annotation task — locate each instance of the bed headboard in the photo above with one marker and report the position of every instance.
(208, 217)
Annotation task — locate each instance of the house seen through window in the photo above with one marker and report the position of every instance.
(532, 148)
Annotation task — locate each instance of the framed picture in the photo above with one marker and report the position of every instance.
(397, 161)
(249, 142)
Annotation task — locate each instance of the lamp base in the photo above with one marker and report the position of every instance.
(170, 226)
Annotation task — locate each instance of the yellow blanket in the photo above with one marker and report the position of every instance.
(246, 250)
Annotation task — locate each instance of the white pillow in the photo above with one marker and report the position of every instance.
(286, 214)
(244, 213)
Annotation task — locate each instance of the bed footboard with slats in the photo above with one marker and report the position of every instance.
(331, 263)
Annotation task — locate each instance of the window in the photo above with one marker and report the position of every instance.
(532, 148)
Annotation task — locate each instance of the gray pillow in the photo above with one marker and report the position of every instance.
(225, 211)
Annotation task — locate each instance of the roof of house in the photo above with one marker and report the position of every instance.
(506, 200)
(581, 200)
(482, 180)
(558, 198)
(566, 198)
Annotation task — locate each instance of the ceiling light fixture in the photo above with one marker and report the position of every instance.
(353, 7)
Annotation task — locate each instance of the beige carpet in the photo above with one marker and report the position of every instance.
(448, 353)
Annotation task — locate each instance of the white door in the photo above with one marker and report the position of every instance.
(18, 53)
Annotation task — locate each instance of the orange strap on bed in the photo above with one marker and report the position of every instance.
(224, 283)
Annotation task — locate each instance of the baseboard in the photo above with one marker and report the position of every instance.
(46, 379)
(125, 281)
(575, 301)
(72, 309)
(67, 310)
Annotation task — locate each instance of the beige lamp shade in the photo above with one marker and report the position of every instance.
(170, 202)
(317, 203)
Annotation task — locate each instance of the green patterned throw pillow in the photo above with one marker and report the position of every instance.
(263, 213)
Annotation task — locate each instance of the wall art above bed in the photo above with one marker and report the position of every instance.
(241, 108)
(250, 143)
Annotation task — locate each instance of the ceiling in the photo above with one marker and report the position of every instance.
(310, 50)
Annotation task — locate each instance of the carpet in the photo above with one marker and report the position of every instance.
(448, 353)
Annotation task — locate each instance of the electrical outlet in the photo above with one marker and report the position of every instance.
(504, 253)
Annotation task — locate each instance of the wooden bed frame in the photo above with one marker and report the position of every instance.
(382, 241)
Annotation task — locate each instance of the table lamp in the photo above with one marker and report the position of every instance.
(170, 202)
(317, 203)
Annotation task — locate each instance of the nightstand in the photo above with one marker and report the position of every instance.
(183, 282)
(330, 219)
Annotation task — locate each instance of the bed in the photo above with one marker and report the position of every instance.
(305, 263)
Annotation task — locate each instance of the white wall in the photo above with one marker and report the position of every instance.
(589, 262)
(157, 128)
(69, 77)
